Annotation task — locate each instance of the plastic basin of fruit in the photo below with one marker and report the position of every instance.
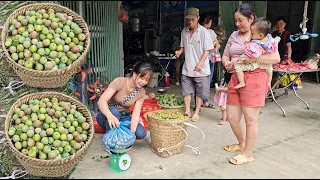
(56, 167)
(46, 79)
(170, 107)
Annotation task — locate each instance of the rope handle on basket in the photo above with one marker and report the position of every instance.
(2, 140)
(195, 149)
(14, 85)
(16, 174)
(166, 149)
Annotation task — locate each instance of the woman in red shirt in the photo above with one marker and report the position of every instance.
(249, 99)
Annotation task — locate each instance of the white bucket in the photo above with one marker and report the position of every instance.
(154, 81)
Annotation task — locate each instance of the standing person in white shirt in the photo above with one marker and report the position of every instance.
(207, 22)
(196, 44)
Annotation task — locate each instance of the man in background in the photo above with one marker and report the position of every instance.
(179, 61)
(196, 44)
(284, 46)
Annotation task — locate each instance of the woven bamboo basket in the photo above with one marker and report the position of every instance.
(46, 79)
(167, 134)
(49, 168)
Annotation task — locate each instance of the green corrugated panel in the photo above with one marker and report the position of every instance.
(227, 9)
(259, 6)
(227, 17)
(102, 20)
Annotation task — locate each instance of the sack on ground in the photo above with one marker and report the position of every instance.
(119, 138)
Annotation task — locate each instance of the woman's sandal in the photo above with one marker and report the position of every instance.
(233, 148)
(240, 160)
(222, 122)
(195, 118)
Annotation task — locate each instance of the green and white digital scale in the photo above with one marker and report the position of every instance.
(120, 161)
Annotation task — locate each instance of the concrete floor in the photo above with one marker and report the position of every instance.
(287, 147)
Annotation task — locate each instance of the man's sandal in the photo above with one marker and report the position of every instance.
(195, 118)
(233, 148)
(240, 160)
(211, 106)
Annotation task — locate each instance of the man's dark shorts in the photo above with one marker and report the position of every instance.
(199, 84)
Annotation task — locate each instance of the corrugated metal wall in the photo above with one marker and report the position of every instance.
(315, 42)
(227, 8)
(102, 20)
(292, 11)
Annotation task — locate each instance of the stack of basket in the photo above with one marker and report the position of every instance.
(48, 79)
(167, 136)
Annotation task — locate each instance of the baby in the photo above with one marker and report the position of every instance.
(261, 43)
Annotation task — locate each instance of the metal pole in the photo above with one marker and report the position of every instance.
(121, 44)
(219, 18)
(160, 30)
(81, 8)
(305, 14)
(185, 11)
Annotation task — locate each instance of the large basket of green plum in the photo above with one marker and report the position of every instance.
(48, 132)
(45, 43)
(168, 131)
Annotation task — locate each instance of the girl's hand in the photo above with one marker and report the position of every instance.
(113, 122)
(217, 89)
(178, 53)
(152, 95)
(216, 45)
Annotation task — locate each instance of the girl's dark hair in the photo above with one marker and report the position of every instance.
(246, 10)
(206, 20)
(142, 69)
(227, 77)
(262, 24)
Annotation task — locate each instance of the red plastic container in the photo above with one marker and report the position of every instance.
(145, 122)
(97, 128)
(146, 107)
(167, 80)
(151, 101)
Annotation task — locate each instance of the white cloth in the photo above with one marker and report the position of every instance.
(194, 48)
(213, 36)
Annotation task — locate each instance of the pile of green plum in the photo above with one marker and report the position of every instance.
(48, 129)
(167, 115)
(44, 40)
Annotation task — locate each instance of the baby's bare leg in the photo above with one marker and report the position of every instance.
(269, 78)
(240, 76)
